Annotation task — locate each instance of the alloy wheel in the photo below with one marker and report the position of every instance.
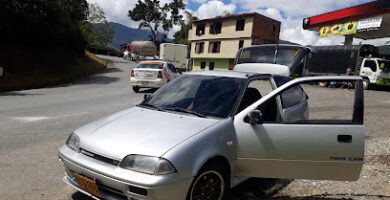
(210, 185)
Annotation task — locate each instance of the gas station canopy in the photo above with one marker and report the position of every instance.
(366, 21)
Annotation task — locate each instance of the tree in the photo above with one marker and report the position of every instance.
(97, 30)
(181, 36)
(42, 21)
(153, 16)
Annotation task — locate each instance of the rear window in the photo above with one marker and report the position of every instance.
(150, 65)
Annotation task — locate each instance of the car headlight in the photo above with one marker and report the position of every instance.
(73, 142)
(147, 164)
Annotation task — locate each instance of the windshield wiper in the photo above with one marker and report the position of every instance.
(152, 106)
(186, 111)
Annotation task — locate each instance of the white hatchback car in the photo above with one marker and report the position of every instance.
(152, 74)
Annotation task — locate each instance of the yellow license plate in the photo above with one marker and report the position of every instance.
(87, 184)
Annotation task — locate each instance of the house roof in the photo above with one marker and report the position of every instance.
(240, 15)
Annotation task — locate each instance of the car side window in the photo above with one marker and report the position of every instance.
(310, 103)
(292, 96)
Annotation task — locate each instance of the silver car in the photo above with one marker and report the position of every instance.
(208, 131)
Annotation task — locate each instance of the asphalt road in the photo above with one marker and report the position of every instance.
(35, 123)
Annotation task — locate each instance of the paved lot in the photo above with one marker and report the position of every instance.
(35, 123)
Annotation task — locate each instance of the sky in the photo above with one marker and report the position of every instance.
(289, 12)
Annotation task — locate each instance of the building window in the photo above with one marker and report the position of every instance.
(240, 24)
(214, 47)
(211, 66)
(200, 29)
(215, 27)
(240, 44)
(199, 47)
(273, 28)
(202, 65)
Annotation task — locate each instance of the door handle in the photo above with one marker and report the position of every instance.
(344, 138)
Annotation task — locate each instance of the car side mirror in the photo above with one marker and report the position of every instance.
(147, 96)
(254, 117)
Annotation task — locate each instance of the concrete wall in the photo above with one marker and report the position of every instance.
(219, 64)
(229, 48)
(228, 30)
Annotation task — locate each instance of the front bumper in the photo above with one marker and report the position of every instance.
(167, 187)
(147, 83)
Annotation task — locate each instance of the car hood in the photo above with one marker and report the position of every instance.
(140, 131)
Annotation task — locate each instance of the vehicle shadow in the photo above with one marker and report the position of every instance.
(98, 79)
(15, 93)
(80, 196)
(112, 70)
(380, 88)
(257, 188)
(146, 91)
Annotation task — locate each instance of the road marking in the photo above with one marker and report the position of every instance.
(30, 118)
(71, 115)
(40, 118)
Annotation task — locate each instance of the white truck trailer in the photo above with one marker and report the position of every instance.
(176, 54)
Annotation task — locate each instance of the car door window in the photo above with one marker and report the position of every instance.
(310, 103)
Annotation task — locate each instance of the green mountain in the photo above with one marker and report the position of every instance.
(125, 35)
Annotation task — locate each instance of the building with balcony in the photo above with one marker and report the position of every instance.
(215, 41)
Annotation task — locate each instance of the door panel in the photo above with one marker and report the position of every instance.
(300, 151)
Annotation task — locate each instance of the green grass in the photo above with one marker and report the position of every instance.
(77, 69)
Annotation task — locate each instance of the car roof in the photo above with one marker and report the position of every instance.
(153, 61)
(225, 73)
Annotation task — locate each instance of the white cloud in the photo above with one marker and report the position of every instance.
(198, 1)
(214, 8)
(270, 12)
(116, 11)
(292, 30)
(298, 7)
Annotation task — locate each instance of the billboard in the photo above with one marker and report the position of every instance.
(351, 27)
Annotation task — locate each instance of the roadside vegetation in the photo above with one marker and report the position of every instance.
(77, 69)
(44, 42)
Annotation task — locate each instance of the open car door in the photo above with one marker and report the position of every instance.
(318, 137)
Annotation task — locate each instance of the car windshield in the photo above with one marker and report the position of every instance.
(150, 65)
(285, 55)
(204, 95)
(384, 65)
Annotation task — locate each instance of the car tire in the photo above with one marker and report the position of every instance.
(366, 83)
(136, 89)
(210, 183)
